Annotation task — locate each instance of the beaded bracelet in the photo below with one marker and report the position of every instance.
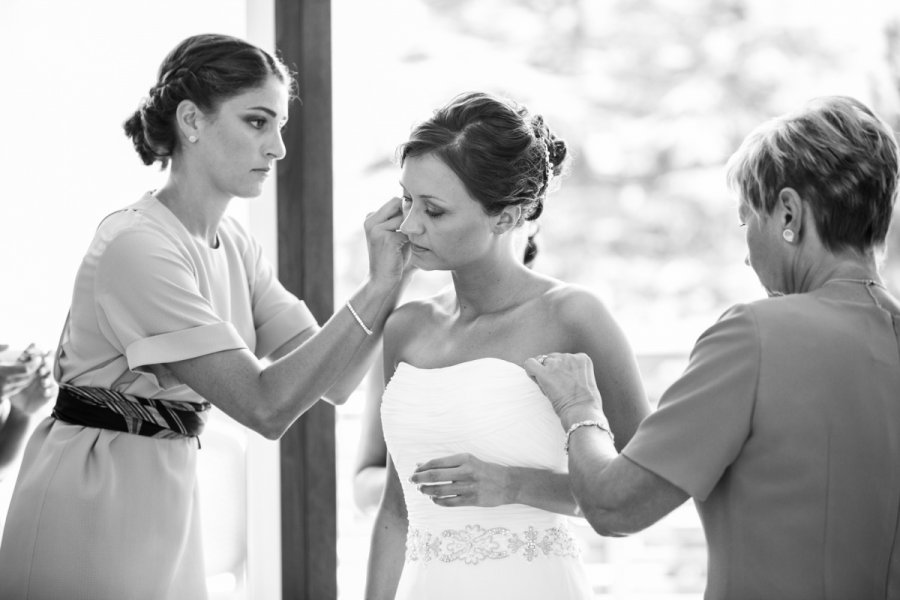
(602, 425)
(358, 318)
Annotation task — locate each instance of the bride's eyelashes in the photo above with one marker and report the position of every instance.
(434, 214)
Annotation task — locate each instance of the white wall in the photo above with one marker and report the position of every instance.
(72, 73)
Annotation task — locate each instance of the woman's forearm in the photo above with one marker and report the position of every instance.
(547, 490)
(590, 451)
(386, 556)
(368, 486)
(296, 381)
(362, 359)
(268, 399)
(617, 496)
(387, 552)
(589, 461)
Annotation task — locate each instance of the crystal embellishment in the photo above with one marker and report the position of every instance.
(475, 544)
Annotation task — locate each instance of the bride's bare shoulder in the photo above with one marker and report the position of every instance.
(572, 304)
(422, 311)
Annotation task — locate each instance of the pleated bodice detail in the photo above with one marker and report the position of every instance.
(487, 407)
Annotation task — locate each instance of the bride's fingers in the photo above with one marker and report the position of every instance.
(435, 476)
(441, 469)
(444, 462)
(450, 501)
(439, 489)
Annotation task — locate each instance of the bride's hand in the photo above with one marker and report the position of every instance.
(388, 249)
(463, 480)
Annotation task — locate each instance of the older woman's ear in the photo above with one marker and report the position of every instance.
(789, 211)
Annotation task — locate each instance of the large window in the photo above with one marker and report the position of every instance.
(652, 97)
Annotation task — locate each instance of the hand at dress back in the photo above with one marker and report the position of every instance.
(40, 389)
(15, 374)
(567, 380)
(388, 248)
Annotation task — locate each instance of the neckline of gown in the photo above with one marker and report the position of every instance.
(465, 363)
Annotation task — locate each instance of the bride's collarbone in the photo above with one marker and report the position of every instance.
(486, 330)
(513, 343)
(479, 320)
(453, 337)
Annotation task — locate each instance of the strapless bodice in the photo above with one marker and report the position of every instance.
(487, 407)
(491, 409)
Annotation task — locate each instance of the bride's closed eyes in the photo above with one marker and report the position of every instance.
(431, 212)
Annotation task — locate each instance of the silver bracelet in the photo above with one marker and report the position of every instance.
(358, 318)
(601, 425)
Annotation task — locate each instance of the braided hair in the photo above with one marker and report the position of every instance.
(205, 69)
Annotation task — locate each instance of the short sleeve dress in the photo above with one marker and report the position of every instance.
(785, 429)
(99, 514)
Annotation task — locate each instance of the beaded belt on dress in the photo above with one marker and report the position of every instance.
(475, 544)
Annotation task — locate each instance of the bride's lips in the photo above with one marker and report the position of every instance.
(417, 248)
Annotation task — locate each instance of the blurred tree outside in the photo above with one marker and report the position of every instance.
(652, 97)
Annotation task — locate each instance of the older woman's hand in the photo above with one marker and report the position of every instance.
(568, 381)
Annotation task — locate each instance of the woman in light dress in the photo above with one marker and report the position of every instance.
(174, 309)
(476, 488)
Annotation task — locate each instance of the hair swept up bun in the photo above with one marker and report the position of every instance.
(134, 129)
(205, 69)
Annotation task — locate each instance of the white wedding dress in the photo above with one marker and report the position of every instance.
(491, 409)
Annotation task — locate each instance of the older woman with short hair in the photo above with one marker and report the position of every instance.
(785, 427)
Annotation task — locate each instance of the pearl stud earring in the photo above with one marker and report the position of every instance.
(192, 138)
(788, 236)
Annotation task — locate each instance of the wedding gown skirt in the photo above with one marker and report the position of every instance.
(491, 409)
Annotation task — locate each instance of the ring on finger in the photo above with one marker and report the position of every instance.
(542, 358)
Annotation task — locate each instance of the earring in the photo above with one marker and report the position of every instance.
(192, 138)
(788, 236)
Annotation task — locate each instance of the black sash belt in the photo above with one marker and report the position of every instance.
(106, 409)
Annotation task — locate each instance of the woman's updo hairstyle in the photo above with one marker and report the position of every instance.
(502, 154)
(206, 69)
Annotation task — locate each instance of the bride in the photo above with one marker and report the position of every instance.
(476, 486)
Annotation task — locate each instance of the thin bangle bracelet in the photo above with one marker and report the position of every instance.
(358, 318)
(601, 425)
